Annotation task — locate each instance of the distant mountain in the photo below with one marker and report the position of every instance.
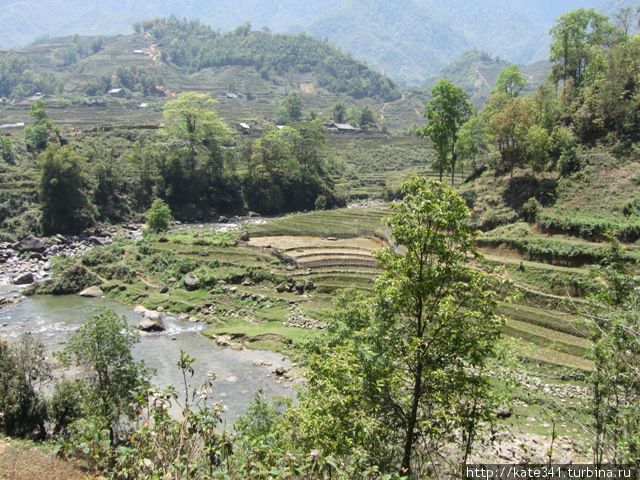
(476, 72)
(408, 39)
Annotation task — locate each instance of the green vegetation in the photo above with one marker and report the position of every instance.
(158, 216)
(446, 112)
(65, 207)
(18, 79)
(195, 46)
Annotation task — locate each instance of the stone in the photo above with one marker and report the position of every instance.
(30, 244)
(164, 289)
(47, 266)
(152, 322)
(223, 219)
(503, 411)
(247, 283)
(309, 285)
(24, 279)
(191, 281)
(332, 239)
(92, 292)
(299, 286)
(280, 371)
(97, 240)
(140, 309)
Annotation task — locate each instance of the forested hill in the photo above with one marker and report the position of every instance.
(194, 46)
(165, 55)
(408, 39)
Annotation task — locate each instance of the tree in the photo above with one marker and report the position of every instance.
(65, 208)
(402, 374)
(446, 112)
(158, 216)
(510, 120)
(22, 370)
(511, 81)
(102, 348)
(339, 113)
(37, 134)
(6, 149)
(441, 322)
(472, 139)
(367, 117)
(191, 118)
(624, 20)
(290, 109)
(572, 36)
(538, 145)
(193, 169)
(615, 389)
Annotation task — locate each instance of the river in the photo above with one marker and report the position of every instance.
(239, 374)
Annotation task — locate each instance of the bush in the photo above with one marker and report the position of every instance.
(70, 277)
(158, 216)
(530, 210)
(64, 407)
(569, 163)
(321, 202)
(22, 410)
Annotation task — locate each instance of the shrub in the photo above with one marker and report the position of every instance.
(321, 202)
(530, 210)
(22, 410)
(71, 276)
(158, 216)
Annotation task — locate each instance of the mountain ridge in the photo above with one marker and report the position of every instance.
(408, 40)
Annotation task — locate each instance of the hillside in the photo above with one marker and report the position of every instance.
(409, 40)
(167, 49)
(476, 72)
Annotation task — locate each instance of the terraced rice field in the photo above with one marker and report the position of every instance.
(540, 321)
(314, 252)
(341, 223)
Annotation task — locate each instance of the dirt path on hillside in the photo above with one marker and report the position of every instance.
(386, 104)
(482, 77)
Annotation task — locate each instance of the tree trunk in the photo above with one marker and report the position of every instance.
(411, 421)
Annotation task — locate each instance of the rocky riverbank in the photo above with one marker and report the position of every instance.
(29, 260)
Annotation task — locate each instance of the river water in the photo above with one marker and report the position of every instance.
(239, 374)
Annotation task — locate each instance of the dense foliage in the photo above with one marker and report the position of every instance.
(193, 163)
(19, 79)
(131, 79)
(195, 46)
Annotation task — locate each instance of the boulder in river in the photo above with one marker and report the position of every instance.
(24, 279)
(30, 244)
(92, 292)
(152, 322)
(191, 281)
(140, 309)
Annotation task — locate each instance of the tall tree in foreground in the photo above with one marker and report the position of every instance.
(442, 326)
(102, 348)
(446, 112)
(401, 378)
